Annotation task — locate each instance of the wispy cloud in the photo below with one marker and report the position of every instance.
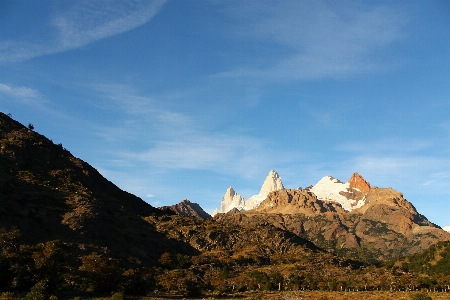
(172, 140)
(84, 23)
(322, 39)
(22, 94)
(405, 164)
(386, 145)
(437, 177)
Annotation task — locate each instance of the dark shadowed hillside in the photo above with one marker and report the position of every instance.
(49, 194)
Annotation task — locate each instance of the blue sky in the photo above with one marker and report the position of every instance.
(174, 100)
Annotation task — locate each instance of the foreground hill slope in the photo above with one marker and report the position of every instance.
(386, 226)
(48, 194)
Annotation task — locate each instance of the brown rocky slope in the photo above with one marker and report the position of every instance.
(387, 226)
(187, 208)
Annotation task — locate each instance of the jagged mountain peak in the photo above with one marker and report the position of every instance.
(187, 208)
(350, 195)
(358, 182)
(231, 200)
(272, 183)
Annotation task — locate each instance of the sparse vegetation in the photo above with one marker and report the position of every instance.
(82, 236)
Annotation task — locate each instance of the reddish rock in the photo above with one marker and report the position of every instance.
(358, 182)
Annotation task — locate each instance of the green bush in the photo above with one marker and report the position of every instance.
(118, 295)
(37, 292)
(7, 296)
(420, 296)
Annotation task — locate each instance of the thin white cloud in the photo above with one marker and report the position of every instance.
(399, 163)
(84, 23)
(386, 145)
(172, 140)
(203, 151)
(322, 39)
(22, 94)
(437, 177)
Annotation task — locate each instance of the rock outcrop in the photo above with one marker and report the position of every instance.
(350, 195)
(231, 200)
(234, 201)
(187, 208)
(358, 182)
(272, 183)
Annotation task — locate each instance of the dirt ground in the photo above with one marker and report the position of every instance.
(314, 295)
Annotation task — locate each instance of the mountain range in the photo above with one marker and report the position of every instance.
(349, 218)
(54, 203)
(233, 201)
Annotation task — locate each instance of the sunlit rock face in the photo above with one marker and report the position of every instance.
(272, 183)
(350, 195)
(231, 200)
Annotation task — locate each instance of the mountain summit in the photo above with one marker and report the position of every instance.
(447, 228)
(272, 183)
(187, 208)
(350, 195)
(233, 201)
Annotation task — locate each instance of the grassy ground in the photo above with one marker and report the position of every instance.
(315, 295)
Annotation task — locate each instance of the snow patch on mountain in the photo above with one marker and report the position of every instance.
(331, 189)
(447, 228)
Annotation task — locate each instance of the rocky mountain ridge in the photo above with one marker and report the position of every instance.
(65, 225)
(386, 226)
(350, 195)
(350, 218)
(188, 209)
(233, 201)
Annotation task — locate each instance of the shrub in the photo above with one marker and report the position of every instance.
(7, 296)
(118, 295)
(420, 296)
(37, 292)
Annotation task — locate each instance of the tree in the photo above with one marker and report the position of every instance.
(30, 126)
(37, 292)
(50, 263)
(99, 273)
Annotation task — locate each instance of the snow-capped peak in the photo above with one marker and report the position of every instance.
(447, 228)
(272, 183)
(348, 194)
(231, 200)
